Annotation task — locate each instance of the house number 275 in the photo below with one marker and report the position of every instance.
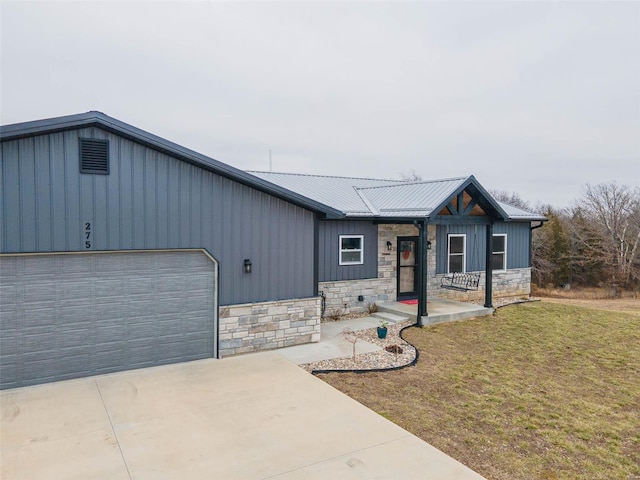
(87, 235)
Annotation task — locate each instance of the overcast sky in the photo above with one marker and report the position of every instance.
(538, 98)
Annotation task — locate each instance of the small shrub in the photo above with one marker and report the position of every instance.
(372, 307)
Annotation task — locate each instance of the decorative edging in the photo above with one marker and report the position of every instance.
(531, 300)
(388, 369)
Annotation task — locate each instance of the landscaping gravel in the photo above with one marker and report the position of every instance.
(373, 360)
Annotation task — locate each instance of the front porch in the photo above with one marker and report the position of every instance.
(438, 310)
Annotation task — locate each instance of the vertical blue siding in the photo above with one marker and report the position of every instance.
(151, 200)
(517, 244)
(43, 192)
(11, 197)
(329, 268)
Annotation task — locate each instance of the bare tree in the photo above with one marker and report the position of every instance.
(412, 176)
(605, 226)
(512, 198)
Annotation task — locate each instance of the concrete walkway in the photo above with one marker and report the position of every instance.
(255, 416)
(332, 344)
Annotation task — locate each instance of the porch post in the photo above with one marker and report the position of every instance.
(488, 287)
(422, 272)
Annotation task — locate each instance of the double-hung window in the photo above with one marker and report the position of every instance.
(456, 253)
(351, 249)
(499, 253)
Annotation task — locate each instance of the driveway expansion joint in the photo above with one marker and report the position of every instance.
(106, 410)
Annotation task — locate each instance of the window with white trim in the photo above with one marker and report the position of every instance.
(351, 249)
(456, 252)
(499, 253)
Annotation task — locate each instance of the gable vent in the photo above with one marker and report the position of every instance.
(94, 156)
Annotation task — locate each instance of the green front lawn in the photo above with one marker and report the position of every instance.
(538, 391)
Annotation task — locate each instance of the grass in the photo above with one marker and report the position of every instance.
(538, 391)
(583, 293)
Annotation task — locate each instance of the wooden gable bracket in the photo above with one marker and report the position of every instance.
(457, 208)
(472, 204)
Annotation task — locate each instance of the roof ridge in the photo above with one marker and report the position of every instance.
(422, 182)
(324, 176)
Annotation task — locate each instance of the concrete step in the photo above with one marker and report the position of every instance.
(390, 317)
(452, 317)
(394, 308)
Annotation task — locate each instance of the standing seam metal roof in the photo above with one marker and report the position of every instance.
(367, 197)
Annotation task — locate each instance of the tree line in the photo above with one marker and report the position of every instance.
(594, 243)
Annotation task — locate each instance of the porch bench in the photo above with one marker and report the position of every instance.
(460, 281)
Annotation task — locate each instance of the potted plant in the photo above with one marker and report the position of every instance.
(382, 329)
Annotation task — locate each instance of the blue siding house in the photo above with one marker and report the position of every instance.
(120, 249)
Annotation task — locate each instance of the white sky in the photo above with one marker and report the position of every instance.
(538, 98)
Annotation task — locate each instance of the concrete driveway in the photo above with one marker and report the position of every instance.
(249, 417)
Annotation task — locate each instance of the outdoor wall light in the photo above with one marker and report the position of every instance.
(247, 265)
(428, 245)
(389, 245)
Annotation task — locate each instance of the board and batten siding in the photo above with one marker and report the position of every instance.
(151, 200)
(329, 269)
(517, 244)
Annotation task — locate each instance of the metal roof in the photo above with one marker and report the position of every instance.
(516, 213)
(338, 192)
(99, 119)
(368, 197)
(411, 199)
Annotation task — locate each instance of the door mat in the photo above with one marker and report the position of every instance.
(409, 302)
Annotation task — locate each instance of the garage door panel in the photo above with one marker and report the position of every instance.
(76, 312)
(75, 264)
(43, 291)
(101, 313)
(9, 371)
(34, 266)
(75, 289)
(8, 271)
(40, 343)
(9, 292)
(70, 337)
(109, 264)
(144, 286)
(9, 343)
(137, 307)
(107, 333)
(8, 318)
(107, 312)
(38, 315)
(194, 324)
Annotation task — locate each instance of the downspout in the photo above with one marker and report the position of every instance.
(316, 254)
(531, 229)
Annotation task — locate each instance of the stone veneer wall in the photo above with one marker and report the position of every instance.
(511, 283)
(252, 327)
(342, 296)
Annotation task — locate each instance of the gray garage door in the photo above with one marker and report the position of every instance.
(68, 316)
